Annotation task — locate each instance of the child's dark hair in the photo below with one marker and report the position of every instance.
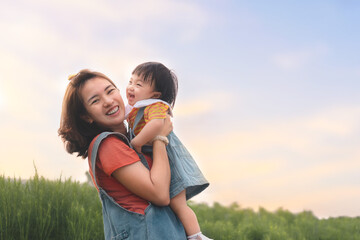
(164, 79)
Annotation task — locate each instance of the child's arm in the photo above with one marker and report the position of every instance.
(148, 133)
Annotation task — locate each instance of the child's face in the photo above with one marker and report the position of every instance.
(138, 90)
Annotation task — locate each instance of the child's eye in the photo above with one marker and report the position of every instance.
(139, 84)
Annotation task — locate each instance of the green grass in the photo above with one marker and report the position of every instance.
(44, 209)
(65, 209)
(221, 222)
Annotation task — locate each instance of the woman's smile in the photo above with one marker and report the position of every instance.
(104, 104)
(113, 110)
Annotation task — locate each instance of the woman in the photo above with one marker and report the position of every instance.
(134, 189)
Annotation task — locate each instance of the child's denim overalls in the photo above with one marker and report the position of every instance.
(185, 174)
(158, 222)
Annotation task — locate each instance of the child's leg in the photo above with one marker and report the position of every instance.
(185, 214)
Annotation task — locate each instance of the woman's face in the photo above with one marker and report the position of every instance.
(103, 103)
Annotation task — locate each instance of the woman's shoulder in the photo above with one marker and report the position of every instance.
(111, 141)
(114, 141)
(113, 153)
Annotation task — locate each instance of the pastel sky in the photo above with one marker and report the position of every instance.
(268, 99)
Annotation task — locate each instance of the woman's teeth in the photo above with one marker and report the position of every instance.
(113, 111)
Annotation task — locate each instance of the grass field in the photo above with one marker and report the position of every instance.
(65, 209)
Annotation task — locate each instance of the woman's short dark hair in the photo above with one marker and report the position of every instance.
(164, 79)
(75, 131)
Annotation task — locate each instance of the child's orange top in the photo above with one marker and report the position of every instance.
(156, 110)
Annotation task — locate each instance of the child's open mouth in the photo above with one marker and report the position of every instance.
(131, 97)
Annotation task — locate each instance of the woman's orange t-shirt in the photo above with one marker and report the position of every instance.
(113, 154)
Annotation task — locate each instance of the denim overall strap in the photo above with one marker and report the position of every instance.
(147, 149)
(95, 148)
(138, 117)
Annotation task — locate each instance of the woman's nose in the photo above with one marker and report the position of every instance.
(107, 101)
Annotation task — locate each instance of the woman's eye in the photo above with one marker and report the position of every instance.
(111, 90)
(95, 101)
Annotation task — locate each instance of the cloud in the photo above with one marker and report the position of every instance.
(204, 104)
(2, 98)
(299, 58)
(196, 107)
(357, 72)
(127, 26)
(330, 201)
(339, 121)
(77, 40)
(323, 201)
(343, 202)
(185, 20)
(301, 134)
(315, 174)
(21, 85)
(23, 147)
(237, 170)
(283, 163)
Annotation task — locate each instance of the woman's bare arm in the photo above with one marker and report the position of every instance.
(150, 130)
(152, 185)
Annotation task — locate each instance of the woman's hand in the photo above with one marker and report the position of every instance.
(168, 126)
(152, 129)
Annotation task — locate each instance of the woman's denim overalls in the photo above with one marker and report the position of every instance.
(158, 222)
(185, 174)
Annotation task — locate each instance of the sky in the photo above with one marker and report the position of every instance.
(268, 100)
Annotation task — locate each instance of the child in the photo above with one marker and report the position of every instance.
(151, 94)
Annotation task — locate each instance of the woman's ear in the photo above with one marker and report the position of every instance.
(156, 95)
